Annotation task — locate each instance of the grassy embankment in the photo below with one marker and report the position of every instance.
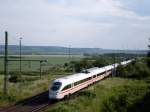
(117, 94)
(109, 95)
(21, 90)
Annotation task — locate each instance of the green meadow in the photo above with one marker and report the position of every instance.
(52, 60)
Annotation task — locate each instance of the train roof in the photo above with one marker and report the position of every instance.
(87, 73)
(79, 76)
(71, 78)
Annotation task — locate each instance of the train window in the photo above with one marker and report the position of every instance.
(94, 76)
(76, 83)
(101, 74)
(98, 74)
(85, 71)
(56, 86)
(79, 82)
(82, 81)
(89, 78)
(67, 87)
(57, 83)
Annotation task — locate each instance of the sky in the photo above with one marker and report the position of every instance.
(108, 24)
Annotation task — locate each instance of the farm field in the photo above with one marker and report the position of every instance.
(52, 60)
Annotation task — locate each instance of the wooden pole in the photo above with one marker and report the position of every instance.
(6, 65)
(20, 57)
(40, 69)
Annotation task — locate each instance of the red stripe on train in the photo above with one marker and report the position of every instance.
(87, 82)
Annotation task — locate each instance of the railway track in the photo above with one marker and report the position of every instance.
(37, 103)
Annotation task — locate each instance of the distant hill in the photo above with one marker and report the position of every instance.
(46, 50)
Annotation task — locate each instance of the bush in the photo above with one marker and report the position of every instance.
(86, 63)
(148, 61)
(100, 63)
(15, 78)
(115, 103)
(9, 98)
(142, 105)
(87, 94)
(123, 98)
(137, 69)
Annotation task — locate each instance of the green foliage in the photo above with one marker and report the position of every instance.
(100, 62)
(87, 94)
(78, 65)
(64, 107)
(95, 61)
(60, 109)
(84, 100)
(137, 69)
(15, 77)
(115, 104)
(7, 98)
(148, 61)
(141, 105)
(110, 95)
(124, 97)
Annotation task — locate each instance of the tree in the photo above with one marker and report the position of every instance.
(148, 55)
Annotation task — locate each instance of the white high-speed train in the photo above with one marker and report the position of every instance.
(67, 85)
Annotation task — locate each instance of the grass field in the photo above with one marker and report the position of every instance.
(52, 60)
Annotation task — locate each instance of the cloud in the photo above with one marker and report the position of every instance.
(80, 23)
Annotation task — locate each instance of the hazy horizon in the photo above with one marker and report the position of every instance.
(77, 47)
(106, 24)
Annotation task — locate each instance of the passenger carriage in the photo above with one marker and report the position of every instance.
(67, 85)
